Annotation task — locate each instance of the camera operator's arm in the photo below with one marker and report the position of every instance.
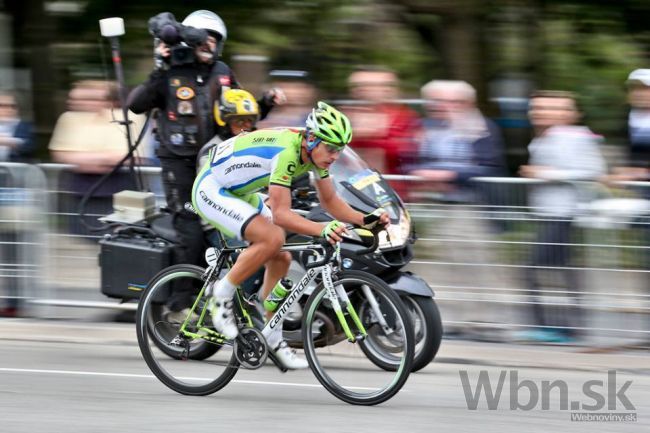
(265, 103)
(150, 94)
(270, 99)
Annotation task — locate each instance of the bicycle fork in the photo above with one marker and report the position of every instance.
(334, 293)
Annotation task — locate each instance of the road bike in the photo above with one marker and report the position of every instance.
(192, 358)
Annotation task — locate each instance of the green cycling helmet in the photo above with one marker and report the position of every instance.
(328, 124)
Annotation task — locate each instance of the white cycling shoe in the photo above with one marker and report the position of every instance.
(223, 317)
(289, 358)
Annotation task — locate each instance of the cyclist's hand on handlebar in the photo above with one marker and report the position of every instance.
(378, 217)
(333, 231)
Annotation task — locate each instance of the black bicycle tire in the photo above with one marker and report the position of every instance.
(349, 397)
(143, 334)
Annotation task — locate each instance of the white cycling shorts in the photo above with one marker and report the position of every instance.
(227, 212)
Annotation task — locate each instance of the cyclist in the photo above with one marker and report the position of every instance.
(225, 194)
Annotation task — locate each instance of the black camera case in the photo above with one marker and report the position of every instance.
(129, 258)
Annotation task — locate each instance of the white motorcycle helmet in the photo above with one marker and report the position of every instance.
(203, 19)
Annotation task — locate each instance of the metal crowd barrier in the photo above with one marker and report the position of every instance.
(477, 254)
(23, 241)
(72, 271)
(474, 254)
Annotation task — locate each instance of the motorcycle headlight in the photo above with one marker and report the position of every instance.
(398, 234)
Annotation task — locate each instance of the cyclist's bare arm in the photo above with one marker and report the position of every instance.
(333, 204)
(283, 216)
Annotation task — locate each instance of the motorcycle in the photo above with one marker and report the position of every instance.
(365, 190)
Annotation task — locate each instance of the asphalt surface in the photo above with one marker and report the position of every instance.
(72, 376)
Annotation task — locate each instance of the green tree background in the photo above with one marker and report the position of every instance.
(586, 47)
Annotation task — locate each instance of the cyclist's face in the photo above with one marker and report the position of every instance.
(325, 154)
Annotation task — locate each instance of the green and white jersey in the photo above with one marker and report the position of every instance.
(251, 161)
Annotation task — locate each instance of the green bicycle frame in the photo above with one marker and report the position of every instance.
(336, 295)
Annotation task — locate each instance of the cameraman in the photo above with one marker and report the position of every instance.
(182, 90)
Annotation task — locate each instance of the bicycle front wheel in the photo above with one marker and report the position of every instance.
(179, 359)
(340, 364)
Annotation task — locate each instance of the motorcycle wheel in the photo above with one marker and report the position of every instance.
(427, 325)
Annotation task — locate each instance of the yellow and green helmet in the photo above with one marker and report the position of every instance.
(330, 125)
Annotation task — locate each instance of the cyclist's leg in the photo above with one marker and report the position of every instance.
(266, 239)
(238, 217)
(277, 266)
(276, 269)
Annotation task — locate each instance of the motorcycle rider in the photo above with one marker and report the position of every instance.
(225, 195)
(238, 111)
(183, 96)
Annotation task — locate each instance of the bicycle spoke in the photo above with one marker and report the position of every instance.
(177, 353)
(344, 366)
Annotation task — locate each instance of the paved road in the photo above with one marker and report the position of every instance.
(70, 381)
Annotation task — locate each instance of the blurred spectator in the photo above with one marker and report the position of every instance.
(16, 141)
(639, 121)
(638, 161)
(457, 142)
(384, 130)
(16, 145)
(301, 96)
(638, 166)
(561, 154)
(90, 137)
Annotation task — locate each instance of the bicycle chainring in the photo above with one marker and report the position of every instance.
(250, 348)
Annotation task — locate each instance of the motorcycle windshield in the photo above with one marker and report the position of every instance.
(353, 177)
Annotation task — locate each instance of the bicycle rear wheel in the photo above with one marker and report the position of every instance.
(177, 359)
(340, 365)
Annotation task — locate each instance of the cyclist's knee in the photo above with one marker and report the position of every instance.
(275, 238)
(260, 231)
(284, 257)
